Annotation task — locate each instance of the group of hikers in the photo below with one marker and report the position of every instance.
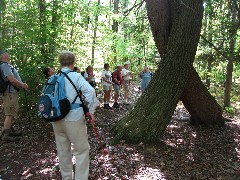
(116, 80)
(71, 130)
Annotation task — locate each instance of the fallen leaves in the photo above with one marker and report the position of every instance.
(184, 152)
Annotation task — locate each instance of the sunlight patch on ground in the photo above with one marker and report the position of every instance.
(145, 173)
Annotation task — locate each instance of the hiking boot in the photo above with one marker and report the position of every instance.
(109, 107)
(105, 106)
(14, 132)
(125, 102)
(115, 105)
(7, 138)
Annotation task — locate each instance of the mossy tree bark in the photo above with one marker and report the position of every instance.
(176, 27)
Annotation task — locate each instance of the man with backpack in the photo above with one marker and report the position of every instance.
(10, 84)
(117, 80)
(72, 128)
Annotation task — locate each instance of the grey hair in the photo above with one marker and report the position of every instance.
(66, 58)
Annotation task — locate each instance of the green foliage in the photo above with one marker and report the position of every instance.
(35, 32)
(230, 110)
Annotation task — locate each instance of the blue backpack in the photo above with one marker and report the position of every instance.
(53, 104)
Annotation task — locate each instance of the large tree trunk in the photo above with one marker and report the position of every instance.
(177, 42)
(199, 102)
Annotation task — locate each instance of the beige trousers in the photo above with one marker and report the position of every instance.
(75, 133)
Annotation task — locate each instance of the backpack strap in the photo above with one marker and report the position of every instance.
(12, 68)
(79, 94)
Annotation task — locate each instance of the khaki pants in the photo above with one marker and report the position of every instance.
(10, 104)
(75, 133)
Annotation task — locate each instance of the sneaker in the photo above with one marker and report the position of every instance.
(105, 106)
(125, 102)
(116, 105)
(7, 138)
(109, 107)
(14, 132)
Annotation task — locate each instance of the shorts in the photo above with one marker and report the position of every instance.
(126, 85)
(107, 88)
(117, 88)
(10, 104)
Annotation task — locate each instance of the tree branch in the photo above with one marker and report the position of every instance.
(125, 13)
(214, 47)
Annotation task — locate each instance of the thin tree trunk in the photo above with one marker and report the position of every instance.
(115, 29)
(229, 69)
(2, 26)
(43, 30)
(95, 34)
(54, 33)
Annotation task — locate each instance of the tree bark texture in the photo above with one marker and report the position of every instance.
(202, 106)
(153, 111)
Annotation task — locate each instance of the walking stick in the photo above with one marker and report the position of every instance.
(26, 103)
(102, 145)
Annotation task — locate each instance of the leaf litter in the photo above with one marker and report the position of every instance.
(184, 152)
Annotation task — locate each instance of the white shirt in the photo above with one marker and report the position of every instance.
(125, 74)
(87, 90)
(108, 76)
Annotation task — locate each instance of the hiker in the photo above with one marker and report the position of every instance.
(72, 128)
(89, 76)
(77, 69)
(107, 85)
(10, 97)
(117, 80)
(126, 74)
(146, 77)
(48, 72)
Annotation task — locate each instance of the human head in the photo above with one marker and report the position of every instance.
(48, 72)
(126, 65)
(145, 69)
(77, 69)
(119, 68)
(66, 58)
(4, 56)
(106, 66)
(89, 68)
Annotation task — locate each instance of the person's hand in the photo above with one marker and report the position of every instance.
(92, 119)
(25, 86)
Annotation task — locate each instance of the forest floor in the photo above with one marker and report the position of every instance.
(184, 152)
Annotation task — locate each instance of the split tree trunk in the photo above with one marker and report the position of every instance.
(176, 27)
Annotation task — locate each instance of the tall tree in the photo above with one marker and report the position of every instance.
(234, 25)
(2, 25)
(115, 28)
(43, 29)
(95, 26)
(176, 27)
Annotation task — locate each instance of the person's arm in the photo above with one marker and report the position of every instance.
(17, 83)
(115, 78)
(89, 94)
(104, 78)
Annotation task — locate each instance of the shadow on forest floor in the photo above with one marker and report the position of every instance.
(184, 152)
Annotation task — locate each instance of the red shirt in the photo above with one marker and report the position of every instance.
(117, 74)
